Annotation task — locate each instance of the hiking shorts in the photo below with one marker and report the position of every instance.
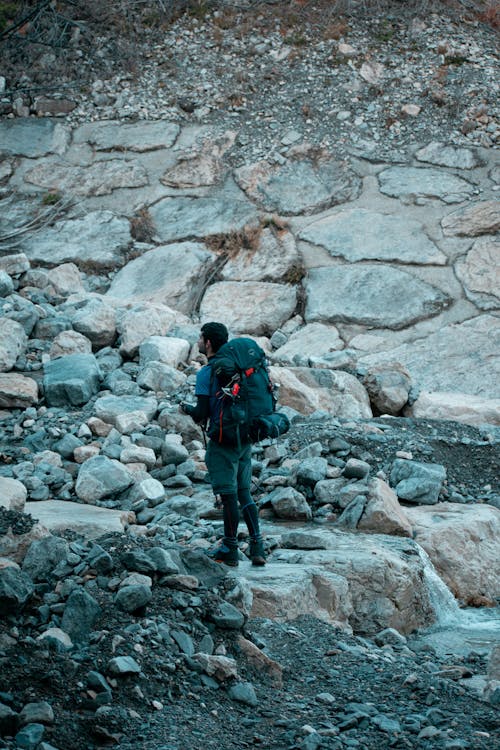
(229, 467)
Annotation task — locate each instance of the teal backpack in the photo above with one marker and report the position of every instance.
(245, 396)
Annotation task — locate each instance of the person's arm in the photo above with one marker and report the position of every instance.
(200, 411)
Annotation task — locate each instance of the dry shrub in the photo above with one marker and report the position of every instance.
(230, 245)
(142, 226)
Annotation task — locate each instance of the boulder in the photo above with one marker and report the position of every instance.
(43, 556)
(417, 482)
(382, 513)
(271, 256)
(157, 376)
(70, 342)
(6, 284)
(71, 380)
(97, 321)
(79, 616)
(360, 234)
(479, 273)
(222, 211)
(13, 342)
(458, 407)
(172, 275)
(169, 350)
(370, 294)
(98, 238)
(461, 357)
(17, 391)
(13, 494)
(388, 387)
(299, 185)
(288, 503)
(15, 546)
(141, 136)
(101, 477)
(444, 155)
(14, 263)
(87, 520)
(314, 340)
(66, 279)
(32, 137)
(307, 390)
(16, 588)
(370, 581)
(482, 217)
(462, 542)
(97, 179)
(143, 320)
(110, 408)
(418, 183)
(254, 307)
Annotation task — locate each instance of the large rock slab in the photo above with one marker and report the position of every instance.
(111, 135)
(31, 137)
(463, 357)
(272, 256)
(383, 573)
(299, 186)
(479, 272)
(479, 218)
(284, 591)
(100, 178)
(255, 307)
(307, 390)
(71, 380)
(219, 212)
(88, 520)
(416, 182)
(459, 407)
(98, 238)
(312, 340)
(444, 155)
(173, 275)
(17, 391)
(370, 294)
(462, 542)
(360, 234)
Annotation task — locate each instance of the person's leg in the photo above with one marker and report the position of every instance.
(248, 508)
(222, 465)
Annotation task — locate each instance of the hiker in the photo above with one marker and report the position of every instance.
(229, 465)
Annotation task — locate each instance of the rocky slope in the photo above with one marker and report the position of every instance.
(273, 154)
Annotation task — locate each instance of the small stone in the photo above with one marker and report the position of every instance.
(122, 665)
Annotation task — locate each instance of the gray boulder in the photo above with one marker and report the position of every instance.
(16, 587)
(370, 294)
(417, 482)
(43, 556)
(13, 341)
(80, 614)
(71, 380)
(100, 477)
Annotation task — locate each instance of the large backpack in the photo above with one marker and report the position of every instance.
(244, 395)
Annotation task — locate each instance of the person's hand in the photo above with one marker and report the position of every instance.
(185, 407)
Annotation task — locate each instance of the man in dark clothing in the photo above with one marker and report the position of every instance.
(229, 467)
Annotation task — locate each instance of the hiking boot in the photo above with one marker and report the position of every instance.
(225, 554)
(257, 554)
